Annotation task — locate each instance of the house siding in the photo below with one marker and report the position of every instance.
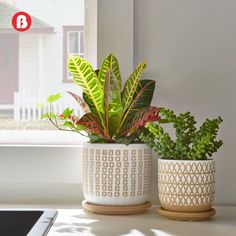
(56, 14)
(28, 63)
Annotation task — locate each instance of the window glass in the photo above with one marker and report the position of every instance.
(73, 37)
(82, 43)
(73, 42)
(33, 64)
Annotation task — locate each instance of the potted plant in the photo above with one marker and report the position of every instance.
(186, 177)
(116, 164)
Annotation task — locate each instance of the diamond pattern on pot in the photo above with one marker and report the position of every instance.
(186, 183)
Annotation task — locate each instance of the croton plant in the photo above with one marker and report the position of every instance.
(111, 114)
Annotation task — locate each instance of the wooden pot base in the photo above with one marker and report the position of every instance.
(187, 216)
(115, 210)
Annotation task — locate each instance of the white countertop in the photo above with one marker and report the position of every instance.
(74, 221)
(77, 222)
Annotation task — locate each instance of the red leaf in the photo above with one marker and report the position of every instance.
(61, 116)
(71, 118)
(80, 101)
(143, 116)
(91, 122)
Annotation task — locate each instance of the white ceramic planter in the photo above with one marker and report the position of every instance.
(186, 186)
(116, 174)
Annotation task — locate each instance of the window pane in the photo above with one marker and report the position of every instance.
(33, 65)
(81, 42)
(73, 42)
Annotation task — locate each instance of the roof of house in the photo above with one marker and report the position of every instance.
(6, 13)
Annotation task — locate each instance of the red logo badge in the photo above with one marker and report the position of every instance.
(21, 21)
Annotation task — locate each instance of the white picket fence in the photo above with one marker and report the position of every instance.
(26, 106)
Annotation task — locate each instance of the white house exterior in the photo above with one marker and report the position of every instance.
(38, 57)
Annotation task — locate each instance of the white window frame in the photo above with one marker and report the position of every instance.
(96, 42)
(81, 54)
(67, 29)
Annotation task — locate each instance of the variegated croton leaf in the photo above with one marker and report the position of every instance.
(140, 118)
(81, 102)
(141, 99)
(92, 123)
(110, 63)
(112, 103)
(85, 77)
(131, 86)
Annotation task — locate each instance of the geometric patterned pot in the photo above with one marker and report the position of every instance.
(116, 174)
(186, 186)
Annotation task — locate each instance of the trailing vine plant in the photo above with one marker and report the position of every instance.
(191, 143)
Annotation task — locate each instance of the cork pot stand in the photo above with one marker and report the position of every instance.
(186, 216)
(115, 210)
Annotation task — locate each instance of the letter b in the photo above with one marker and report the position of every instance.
(21, 22)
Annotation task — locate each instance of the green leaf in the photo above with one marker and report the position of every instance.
(54, 97)
(126, 140)
(73, 126)
(131, 85)
(68, 124)
(48, 115)
(40, 105)
(80, 127)
(112, 103)
(67, 112)
(97, 71)
(85, 77)
(163, 121)
(96, 139)
(111, 63)
(44, 116)
(90, 103)
(142, 99)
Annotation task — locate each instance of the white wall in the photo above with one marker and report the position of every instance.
(47, 175)
(115, 32)
(191, 52)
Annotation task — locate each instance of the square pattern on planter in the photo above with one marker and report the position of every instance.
(116, 173)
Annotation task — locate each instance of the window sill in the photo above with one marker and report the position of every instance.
(41, 138)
